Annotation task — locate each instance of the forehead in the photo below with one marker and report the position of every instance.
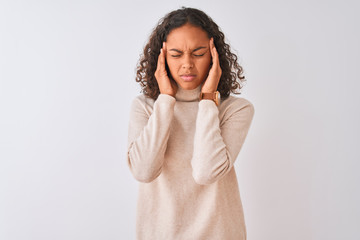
(187, 36)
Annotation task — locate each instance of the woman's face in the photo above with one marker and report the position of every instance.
(188, 55)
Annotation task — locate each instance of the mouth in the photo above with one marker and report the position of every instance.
(188, 77)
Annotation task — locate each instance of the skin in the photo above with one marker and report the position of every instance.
(188, 50)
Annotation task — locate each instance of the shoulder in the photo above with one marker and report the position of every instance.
(233, 103)
(142, 99)
(236, 108)
(142, 103)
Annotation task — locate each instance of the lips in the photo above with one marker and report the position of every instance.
(188, 77)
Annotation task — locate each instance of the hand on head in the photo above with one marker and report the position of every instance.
(166, 85)
(169, 86)
(212, 81)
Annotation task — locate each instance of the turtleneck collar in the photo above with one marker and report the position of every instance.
(184, 95)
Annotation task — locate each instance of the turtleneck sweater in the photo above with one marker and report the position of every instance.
(182, 151)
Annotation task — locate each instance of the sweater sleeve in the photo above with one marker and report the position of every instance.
(216, 146)
(148, 136)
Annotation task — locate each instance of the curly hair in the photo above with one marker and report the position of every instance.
(231, 70)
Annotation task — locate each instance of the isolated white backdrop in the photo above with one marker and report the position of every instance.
(67, 72)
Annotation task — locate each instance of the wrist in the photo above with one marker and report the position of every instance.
(214, 96)
(208, 90)
(170, 93)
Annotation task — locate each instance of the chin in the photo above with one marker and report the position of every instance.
(189, 85)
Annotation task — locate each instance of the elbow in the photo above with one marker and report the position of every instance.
(145, 178)
(206, 175)
(143, 173)
(202, 179)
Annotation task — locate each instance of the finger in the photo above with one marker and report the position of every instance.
(163, 54)
(161, 60)
(161, 57)
(214, 53)
(211, 47)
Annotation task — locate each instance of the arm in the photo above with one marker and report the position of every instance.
(216, 146)
(148, 136)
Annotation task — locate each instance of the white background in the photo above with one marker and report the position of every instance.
(67, 78)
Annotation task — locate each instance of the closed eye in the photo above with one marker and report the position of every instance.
(181, 53)
(196, 55)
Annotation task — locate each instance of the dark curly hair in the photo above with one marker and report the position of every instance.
(231, 70)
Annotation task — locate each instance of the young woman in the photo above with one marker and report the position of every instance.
(183, 139)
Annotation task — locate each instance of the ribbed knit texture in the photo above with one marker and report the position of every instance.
(182, 152)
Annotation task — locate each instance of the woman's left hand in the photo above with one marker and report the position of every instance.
(212, 81)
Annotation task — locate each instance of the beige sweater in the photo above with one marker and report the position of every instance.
(182, 152)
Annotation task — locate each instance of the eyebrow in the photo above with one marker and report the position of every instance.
(177, 50)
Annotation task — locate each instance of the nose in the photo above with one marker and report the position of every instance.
(188, 62)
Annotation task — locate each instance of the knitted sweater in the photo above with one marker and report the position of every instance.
(182, 152)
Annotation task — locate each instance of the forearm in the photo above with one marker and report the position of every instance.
(146, 150)
(217, 147)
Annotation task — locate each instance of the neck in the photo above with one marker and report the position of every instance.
(184, 95)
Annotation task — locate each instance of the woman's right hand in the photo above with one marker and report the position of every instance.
(166, 85)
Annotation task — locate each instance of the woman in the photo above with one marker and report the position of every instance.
(182, 144)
